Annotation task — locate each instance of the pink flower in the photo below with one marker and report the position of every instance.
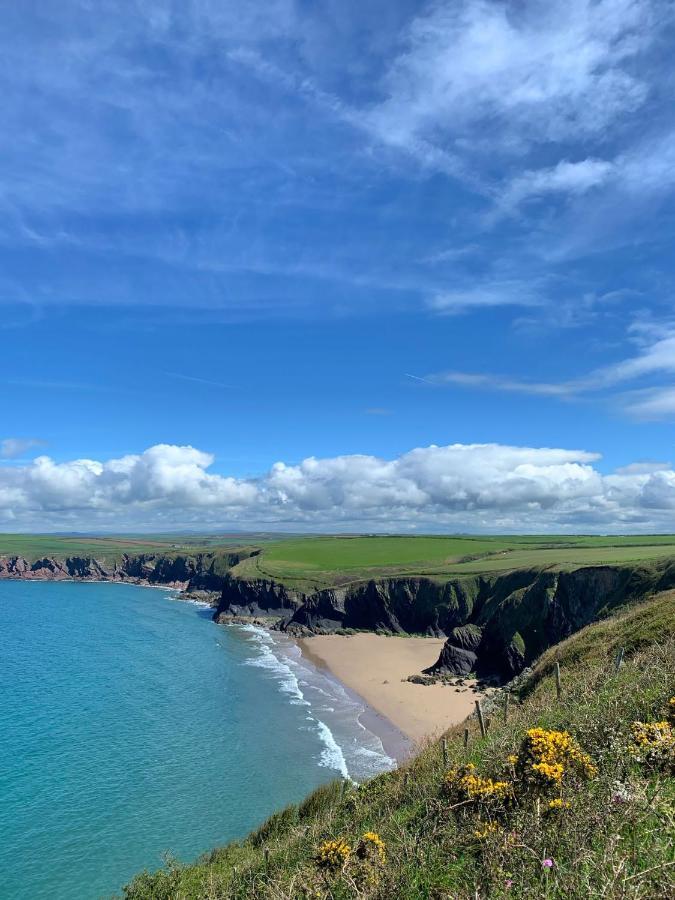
(508, 882)
(547, 863)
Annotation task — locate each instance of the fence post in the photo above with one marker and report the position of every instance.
(481, 720)
(267, 858)
(466, 738)
(506, 707)
(619, 660)
(558, 686)
(444, 746)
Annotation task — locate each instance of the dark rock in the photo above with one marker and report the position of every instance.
(453, 661)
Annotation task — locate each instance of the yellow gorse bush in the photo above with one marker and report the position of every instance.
(653, 743)
(465, 784)
(372, 846)
(333, 854)
(549, 756)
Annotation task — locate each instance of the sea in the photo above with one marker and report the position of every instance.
(134, 730)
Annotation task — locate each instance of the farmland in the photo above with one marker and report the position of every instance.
(314, 562)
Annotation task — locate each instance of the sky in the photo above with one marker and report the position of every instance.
(337, 266)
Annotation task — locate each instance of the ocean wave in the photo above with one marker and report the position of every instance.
(348, 746)
(266, 659)
(332, 756)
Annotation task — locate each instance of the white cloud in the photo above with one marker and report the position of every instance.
(486, 295)
(542, 71)
(12, 447)
(650, 404)
(455, 487)
(656, 357)
(564, 178)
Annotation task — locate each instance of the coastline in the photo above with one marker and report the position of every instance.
(370, 668)
(374, 667)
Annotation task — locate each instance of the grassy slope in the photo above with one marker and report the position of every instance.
(312, 563)
(601, 847)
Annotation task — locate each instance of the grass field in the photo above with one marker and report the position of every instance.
(314, 562)
(110, 547)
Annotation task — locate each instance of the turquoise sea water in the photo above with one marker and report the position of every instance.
(132, 725)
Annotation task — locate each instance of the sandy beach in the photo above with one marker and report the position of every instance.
(372, 666)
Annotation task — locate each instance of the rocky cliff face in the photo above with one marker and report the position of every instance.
(201, 572)
(494, 624)
(256, 598)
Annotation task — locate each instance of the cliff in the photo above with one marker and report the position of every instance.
(199, 572)
(494, 624)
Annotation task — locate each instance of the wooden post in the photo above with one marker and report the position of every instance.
(506, 707)
(267, 858)
(488, 722)
(619, 660)
(481, 720)
(444, 746)
(405, 779)
(466, 738)
(558, 686)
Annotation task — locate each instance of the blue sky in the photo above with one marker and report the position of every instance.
(332, 235)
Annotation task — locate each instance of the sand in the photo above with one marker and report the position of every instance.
(372, 666)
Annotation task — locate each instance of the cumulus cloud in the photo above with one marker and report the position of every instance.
(457, 487)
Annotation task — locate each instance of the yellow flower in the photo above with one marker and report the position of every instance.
(549, 771)
(485, 829)
(551, 754)
(371, 844)
(653, 742)
(469, 786)
(512, 759)
(333, 854)
(559, 803)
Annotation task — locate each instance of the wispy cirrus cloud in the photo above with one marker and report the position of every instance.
(486, 295)
(655, 358)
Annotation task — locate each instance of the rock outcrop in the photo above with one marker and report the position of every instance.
(255, 598)
(494, 624)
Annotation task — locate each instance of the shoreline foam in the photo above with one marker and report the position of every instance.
(356, 742)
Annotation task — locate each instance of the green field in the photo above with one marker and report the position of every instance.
(314, 562)
(311, 562)
(111, 547)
